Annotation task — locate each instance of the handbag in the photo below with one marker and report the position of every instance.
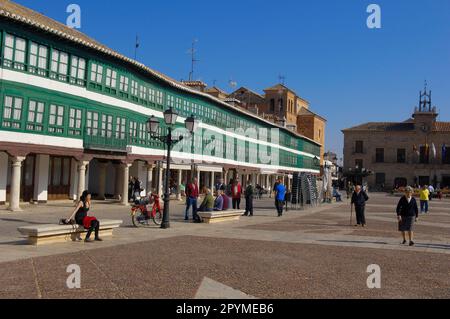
(63, 221)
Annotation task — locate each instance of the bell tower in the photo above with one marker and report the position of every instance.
(425, 115)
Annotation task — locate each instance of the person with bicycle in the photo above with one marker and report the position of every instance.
(192, 193)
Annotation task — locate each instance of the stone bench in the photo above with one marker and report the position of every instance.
(49, 234)
(221, 216)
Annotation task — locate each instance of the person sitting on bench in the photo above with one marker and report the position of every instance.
(219, 202)
(82, 218)
(337, 195)
(208, 203)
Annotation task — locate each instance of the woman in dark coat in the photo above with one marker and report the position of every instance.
(408, 214)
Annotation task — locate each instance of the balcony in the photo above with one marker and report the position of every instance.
(105, 143)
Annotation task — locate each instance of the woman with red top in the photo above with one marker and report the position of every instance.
(236, 194)
(82, 218)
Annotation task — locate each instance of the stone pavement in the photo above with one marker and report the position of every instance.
(313, 253)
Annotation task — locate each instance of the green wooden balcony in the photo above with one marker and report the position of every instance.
(105, 143)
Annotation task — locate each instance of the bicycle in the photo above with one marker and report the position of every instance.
(140, 215)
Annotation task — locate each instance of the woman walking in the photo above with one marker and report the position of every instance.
(407, 214)
(81, 217)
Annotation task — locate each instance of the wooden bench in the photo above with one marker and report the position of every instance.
(49, 234)
(221, 216)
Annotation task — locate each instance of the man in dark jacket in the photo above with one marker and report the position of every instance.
(359, 199)
(249, 192)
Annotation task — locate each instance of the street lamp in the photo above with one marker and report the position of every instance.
(170, 118)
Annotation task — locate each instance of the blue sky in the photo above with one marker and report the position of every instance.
(349, 73)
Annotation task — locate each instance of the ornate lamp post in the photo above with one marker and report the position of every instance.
(170, 119)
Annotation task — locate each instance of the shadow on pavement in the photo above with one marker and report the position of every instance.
(12, 220)
(356, 242)
(434, 246)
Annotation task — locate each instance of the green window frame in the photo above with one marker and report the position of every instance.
(56, 119)
(35, 118)
(124, 86)
(170, 100)
(111, 81)
(78, 71)
(75, 121)
(92, 119)
(159, 98)
(134, 90)
(121, 128)
(96, 75)
(38, 59)
(178, 103)
(14, 54)
(106, 126)
(12, 112)
(152, 95)
(143, 93)
(132, 132)
(59, 65)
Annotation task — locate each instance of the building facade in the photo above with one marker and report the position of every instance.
(414, 152)
(73, 116)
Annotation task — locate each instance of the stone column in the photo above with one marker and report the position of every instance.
(180, 180)
(81, 177)
(101, 180)
(4, 165)
(225, 177)
(40, 194)
(198, 177)
(149, 178)
(211, 182)
(14, 201)
(125, 178)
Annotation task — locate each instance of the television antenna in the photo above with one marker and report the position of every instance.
(192, 51)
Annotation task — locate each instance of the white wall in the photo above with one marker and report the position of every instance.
(74, 180)
(3, 175)
(41, 178)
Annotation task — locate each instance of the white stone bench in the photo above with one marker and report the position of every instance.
(49, 234)
(221, 216)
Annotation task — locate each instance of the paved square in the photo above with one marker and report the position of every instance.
(306, 254)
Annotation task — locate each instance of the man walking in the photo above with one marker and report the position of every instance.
(359, 199)
(280, 194)
(249, 192)
(192, 194)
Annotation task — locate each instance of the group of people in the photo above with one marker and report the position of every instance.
(228, 197)
(407, 210)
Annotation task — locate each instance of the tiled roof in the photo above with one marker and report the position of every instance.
(13, 11)
(383, 126)
(397, 126)
(305, 111)
(216, 89)
(194, 83)
(442, 126)
(243, 88)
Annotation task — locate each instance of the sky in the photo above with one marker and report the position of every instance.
(349, 73)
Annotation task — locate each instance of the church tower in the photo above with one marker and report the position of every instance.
(425, 115)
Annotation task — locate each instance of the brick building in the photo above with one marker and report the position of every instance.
(413, 152)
